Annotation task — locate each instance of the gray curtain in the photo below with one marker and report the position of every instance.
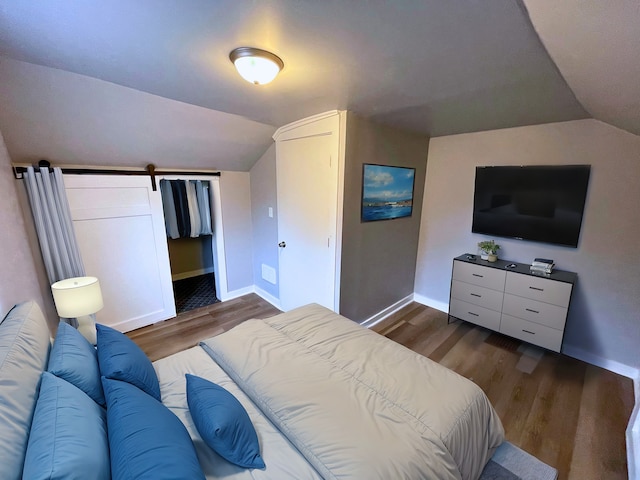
(54, 227)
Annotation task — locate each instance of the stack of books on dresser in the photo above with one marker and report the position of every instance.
(542, 265)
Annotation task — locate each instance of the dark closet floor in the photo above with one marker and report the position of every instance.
(195, 292)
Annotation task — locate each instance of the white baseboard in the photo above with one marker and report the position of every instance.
(633, 436)
(611, 365)
(381, 315)
(251, 289)
(430, 302)
(237, 293)
(138, 322)
(192, 273)
(268, 297)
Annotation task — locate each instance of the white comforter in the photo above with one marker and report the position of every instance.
(356, 404)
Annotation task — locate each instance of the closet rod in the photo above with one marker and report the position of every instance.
(18, 171)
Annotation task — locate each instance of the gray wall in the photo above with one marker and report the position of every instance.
(235, 193)
(603, 321)
(265, 228)
(378, 258)
(19, 279)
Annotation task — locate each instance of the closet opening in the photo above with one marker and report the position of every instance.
(192, 272)
(190, 227)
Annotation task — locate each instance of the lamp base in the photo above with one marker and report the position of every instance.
(87, 327)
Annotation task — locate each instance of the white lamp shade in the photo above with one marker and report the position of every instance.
(76, 297)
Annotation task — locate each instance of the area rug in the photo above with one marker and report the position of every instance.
(511, 463)
(195, 292)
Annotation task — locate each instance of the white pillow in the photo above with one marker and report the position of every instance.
(24, 350)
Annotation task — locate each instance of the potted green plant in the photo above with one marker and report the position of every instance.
(489, 250)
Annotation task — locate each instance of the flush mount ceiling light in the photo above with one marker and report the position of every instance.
(255, 65)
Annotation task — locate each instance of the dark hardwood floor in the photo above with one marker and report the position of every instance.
(567, 413)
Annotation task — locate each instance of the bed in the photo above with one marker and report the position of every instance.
(331, 399)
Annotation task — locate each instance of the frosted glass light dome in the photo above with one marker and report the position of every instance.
(256, 66)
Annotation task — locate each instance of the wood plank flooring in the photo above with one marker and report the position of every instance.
(567, 413)
(187, 329)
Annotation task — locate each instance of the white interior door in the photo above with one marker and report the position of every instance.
(307, 180)
(120, 229)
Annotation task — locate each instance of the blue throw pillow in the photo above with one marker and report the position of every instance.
(146, 440)
(223, 423)
(68, 437)
(74, 359)
(121, 359)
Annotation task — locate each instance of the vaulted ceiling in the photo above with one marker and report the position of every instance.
(431, 66)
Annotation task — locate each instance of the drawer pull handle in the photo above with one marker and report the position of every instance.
(474, 314)
(532, 311)
(538, 289)
(476, 275)
(527, 331)
(476, 295)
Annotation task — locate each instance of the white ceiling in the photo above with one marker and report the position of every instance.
(431, 66)
(72, 119)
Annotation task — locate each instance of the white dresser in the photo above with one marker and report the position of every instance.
(511, 300)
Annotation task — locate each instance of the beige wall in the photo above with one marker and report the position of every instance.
(603, 322)
(19, 280)
(378, 258)
(190, 256)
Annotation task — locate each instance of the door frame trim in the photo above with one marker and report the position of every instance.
(219, 257)
(306, 128)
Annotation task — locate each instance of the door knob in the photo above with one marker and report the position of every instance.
(282, 244)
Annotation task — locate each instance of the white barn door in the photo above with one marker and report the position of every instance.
(119, 224)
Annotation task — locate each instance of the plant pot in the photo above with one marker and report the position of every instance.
(484, 256)
(492, 257)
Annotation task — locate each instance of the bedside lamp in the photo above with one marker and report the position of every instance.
(79, 298)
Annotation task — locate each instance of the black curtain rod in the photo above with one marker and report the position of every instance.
(18, 171)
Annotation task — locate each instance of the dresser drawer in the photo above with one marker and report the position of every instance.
(473, 313)
(531, 332)
(534, 311)
(541, 289)
(478, 275)
(484, 297)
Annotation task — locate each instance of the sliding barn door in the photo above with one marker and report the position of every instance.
(119, 224)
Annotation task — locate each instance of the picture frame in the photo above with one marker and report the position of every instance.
(387, 192)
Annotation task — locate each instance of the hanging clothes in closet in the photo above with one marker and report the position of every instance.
(187, 209)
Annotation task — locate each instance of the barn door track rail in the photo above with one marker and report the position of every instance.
(151, 170)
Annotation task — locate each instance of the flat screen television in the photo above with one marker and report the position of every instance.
(537, 203)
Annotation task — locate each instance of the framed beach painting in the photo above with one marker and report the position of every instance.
(387, 192)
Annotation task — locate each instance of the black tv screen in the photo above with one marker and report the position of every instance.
(538, 203)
